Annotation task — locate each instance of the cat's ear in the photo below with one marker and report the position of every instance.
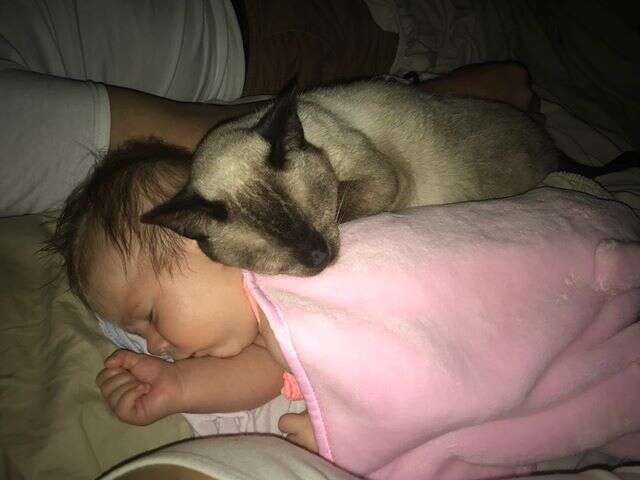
(187, 214)
(281, 127)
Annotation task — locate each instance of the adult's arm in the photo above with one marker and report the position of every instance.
(52, 130)
(135, 114)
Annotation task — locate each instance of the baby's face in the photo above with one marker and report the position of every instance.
(198, 309)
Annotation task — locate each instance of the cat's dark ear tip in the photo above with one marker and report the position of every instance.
(147, 217)
(154, 216)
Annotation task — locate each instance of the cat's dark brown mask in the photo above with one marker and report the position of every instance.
(260, 196)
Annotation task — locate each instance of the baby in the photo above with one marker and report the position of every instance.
(441, 344)
(153, 283)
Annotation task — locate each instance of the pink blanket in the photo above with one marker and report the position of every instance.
(471, 340)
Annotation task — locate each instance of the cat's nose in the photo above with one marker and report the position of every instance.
(319, 257)
(316, 253)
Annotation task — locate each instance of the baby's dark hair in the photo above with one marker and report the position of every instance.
(122, 186)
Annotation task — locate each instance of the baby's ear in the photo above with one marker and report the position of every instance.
(187, 214)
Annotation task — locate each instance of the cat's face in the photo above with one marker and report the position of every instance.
(260, 198)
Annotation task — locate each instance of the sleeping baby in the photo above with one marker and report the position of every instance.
(468, 340)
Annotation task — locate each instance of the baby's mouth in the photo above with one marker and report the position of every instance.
(200, 354)
(167, 356)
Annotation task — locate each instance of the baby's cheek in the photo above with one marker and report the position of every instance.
(190, 342)
(184, 334)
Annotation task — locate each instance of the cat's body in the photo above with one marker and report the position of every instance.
(267, 189)
(443, 149)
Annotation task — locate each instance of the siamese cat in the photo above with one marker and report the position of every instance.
(268, 190)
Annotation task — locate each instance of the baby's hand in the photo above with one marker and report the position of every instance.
(139, 389)
(299, 430)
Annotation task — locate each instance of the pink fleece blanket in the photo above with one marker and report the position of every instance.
(469, 341)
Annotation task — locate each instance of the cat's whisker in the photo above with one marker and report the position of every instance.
(339, 209)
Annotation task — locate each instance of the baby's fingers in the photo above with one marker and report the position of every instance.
(292, 423)
(115, 396)
(126, 408)
(106, 374)
(113, 380)
(299, 430)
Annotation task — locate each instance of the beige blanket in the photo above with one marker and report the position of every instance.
(53, 422)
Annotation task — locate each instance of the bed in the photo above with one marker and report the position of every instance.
(54, 424)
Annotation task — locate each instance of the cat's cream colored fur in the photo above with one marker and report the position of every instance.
(267, 189)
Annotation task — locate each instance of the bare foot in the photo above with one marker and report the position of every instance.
(507, 82)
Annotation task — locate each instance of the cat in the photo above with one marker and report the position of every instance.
(268, 189)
